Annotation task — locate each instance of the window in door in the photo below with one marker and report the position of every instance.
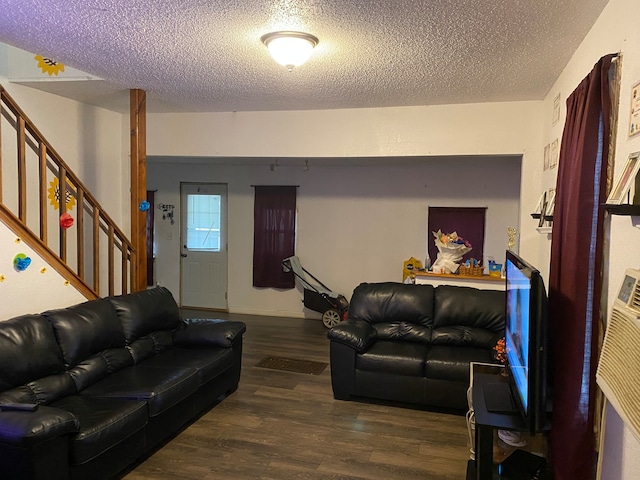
(203, 223)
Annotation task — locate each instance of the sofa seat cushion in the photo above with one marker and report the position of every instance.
(104, 422)
(208, 362)
(452, 363)
(162, 388)
(401, 358)
(25, 429)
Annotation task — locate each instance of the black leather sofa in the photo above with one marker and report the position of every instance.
(110, 379)
(413, 343)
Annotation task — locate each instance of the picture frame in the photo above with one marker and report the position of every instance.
(553, 156)
(545, 166)
(626, 179)
(541, 207)
(634, 115)
(556, 110)
(543, 210)
(551, 204)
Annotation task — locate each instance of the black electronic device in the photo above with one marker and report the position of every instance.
(526, 341)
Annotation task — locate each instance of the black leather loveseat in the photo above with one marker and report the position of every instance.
(109, 379)
(413, 343)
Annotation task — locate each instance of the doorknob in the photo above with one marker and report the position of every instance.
(183, 255)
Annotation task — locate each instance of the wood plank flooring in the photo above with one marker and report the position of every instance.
(281, 425)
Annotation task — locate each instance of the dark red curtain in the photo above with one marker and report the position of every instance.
(575, 280)
(150, 223)
(468, 222)
(274, 235)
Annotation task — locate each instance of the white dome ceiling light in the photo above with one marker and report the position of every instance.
(290, 49)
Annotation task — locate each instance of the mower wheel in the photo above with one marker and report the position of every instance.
(331, 318)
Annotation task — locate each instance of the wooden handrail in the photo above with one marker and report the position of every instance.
(45, 252)
(49, 164)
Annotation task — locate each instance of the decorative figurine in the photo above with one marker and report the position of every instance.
(512, 233)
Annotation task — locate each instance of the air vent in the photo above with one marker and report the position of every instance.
(635, 300)
(618, 371)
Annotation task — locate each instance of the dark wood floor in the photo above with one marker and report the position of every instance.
(280, 425)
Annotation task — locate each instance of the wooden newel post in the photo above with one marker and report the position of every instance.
(138, 123)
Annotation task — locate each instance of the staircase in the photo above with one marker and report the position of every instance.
(75, 236)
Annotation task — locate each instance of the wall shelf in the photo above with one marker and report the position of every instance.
(626, 209)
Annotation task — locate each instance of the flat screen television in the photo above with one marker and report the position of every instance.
(526, 341)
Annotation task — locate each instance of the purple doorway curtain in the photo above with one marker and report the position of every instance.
(150, 227)
(575, 280)
(468, 222)
(274, 235)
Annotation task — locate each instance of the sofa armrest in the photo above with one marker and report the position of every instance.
(25, 429)
(207, 332)
(354, 333)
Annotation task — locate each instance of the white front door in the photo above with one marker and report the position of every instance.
(204, 245)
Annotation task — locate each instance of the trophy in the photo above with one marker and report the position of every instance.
(512, 233)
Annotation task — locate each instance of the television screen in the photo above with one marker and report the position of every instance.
(525, 340)
(517, 330)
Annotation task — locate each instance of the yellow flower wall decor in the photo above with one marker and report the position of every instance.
(54, 194)
(49, 66)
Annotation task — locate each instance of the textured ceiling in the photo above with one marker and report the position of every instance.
(206, 55)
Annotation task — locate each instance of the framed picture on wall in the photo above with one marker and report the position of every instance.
(541, 207)
(551, 203)
(623, 184)
(553, 156)
(546, 158)
(634, 119)
(556, 110)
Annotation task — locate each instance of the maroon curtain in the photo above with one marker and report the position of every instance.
(575, 279)
(150, 222)
(468, 222)
(274, 235)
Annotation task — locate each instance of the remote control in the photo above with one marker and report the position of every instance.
(29, 407)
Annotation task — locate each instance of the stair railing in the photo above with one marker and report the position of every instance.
(78, 251)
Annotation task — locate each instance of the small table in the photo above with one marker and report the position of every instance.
(484, 282)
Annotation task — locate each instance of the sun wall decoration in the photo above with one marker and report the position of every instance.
(54, 194)
(49, 66)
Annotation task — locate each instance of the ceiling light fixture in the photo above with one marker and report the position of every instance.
(290, 49)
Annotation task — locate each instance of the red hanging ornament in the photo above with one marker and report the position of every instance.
(66, 221)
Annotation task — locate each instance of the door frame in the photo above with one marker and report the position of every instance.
(224, 224)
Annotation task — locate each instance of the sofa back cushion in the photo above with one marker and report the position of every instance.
(86, 329)
(98, 366)
(392, 302)
(141, 313)
(150, 345)
(28, 351)
(469, 307)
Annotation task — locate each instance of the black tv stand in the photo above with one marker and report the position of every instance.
(498, 398)
(488, 420)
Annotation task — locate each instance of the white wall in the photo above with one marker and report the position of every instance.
(615, 31)
(17, 288)
(473, 129)
(355, 223)
(94, 143)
